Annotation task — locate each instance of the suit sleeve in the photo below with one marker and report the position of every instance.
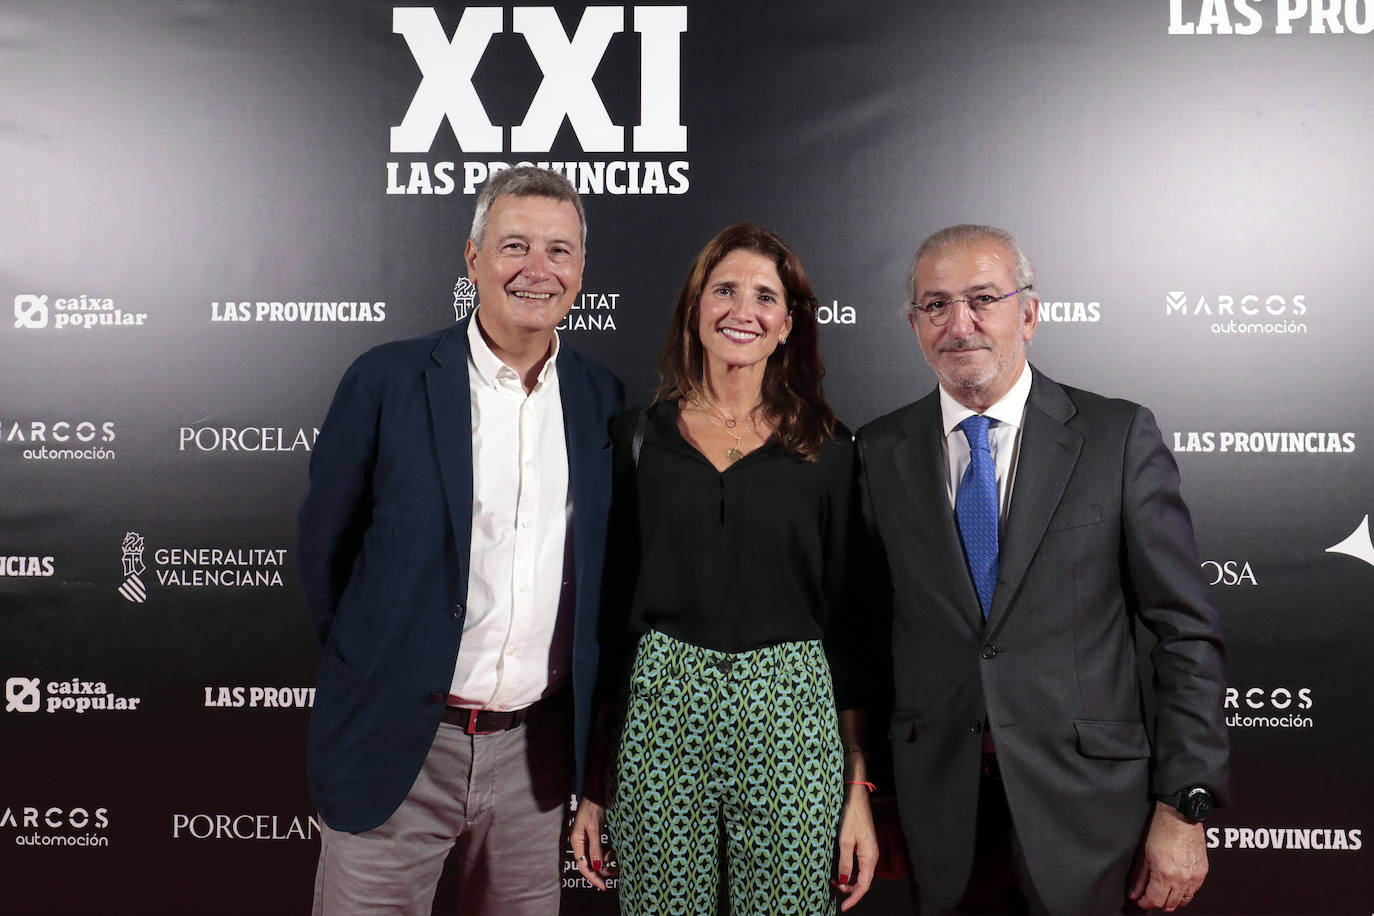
(1166, 587)
(871, 590)
(848, 581)
(620, 574)
(338, 506)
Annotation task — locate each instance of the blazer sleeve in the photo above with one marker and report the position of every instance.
(848, 577)
(1169, 595)
(338, 506)
(620, 573)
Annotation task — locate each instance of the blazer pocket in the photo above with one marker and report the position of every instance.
(1112, 740)
(1076, 518)
(902, 729)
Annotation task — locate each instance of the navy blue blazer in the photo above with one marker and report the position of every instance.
(384, 545)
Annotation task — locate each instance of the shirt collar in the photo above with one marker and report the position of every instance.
(489, 366)
(1008, 411)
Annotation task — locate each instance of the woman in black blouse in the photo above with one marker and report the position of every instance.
(730, 526)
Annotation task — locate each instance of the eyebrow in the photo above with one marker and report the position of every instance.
(975, 288)
(524, 237)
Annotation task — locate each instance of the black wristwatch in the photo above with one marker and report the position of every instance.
(1194, 803)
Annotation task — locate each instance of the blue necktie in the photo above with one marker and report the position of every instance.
(975, 507)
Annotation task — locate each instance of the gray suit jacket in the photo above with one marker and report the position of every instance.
(1097, 538)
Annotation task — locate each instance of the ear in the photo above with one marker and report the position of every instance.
(470, 256)
(1030, 317)
(786, 329)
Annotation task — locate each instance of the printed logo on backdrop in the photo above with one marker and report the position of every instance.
(246, 438)
(447, 94)
(464, 295)
(31, 695)
(1248, 314)
(131, 557)
(27, 567)
(1317, 839)
(1268, 707)
(591, 311)
(32, 312)
(196, 566)
(260, 697)
(1286, 17)
(55, 825)
(1060, 312)
(59, 440)
(296, 312)
(834, 313)
(1229, 573)
(1267, 443)
(244, 827)
(1358, 545)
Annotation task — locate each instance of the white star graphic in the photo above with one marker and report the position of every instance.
(1357, 545)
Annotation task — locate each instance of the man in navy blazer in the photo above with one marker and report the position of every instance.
(451, 551)
(1028, 528)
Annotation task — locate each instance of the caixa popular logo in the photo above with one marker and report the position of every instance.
(631, 159)
(33, 311)
(31, 695)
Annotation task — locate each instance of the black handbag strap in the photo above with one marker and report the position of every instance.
(637, 442)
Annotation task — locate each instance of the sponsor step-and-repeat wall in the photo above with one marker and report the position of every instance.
(212, 207)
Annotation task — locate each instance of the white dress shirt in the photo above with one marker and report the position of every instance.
(1004, 438)
(517, 636)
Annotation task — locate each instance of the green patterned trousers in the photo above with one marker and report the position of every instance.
(746, 743)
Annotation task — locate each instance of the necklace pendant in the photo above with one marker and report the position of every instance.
(733, 454)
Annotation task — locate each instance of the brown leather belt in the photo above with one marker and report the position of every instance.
(487, 721)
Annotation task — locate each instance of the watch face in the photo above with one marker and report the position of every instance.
(1197, 804)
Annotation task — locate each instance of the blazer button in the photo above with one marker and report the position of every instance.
(975, 726)
(437, 697)
(457, 611)
(989, 651)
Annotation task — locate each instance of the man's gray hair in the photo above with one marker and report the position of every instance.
(966, 234)
(524, 181)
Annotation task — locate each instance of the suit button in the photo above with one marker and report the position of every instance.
(437, 697)
(989, 651)
(457, 611)
(975, 726)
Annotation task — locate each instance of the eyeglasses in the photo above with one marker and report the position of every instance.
(937, 311)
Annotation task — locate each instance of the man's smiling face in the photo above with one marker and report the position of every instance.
(528, 269)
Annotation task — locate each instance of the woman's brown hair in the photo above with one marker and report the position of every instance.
(792, 396)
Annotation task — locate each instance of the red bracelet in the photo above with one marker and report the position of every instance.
(860, 782)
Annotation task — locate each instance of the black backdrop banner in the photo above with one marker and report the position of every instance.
(211, 207)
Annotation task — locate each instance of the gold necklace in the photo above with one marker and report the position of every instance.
(727, 426)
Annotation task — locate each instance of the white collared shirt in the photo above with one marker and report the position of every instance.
(517, 636)
(1004, 438)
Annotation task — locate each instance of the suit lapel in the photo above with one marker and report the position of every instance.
(1049, 451)
(922, 467)
(450, 417)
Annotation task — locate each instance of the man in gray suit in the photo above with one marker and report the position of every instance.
(1026, 528)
